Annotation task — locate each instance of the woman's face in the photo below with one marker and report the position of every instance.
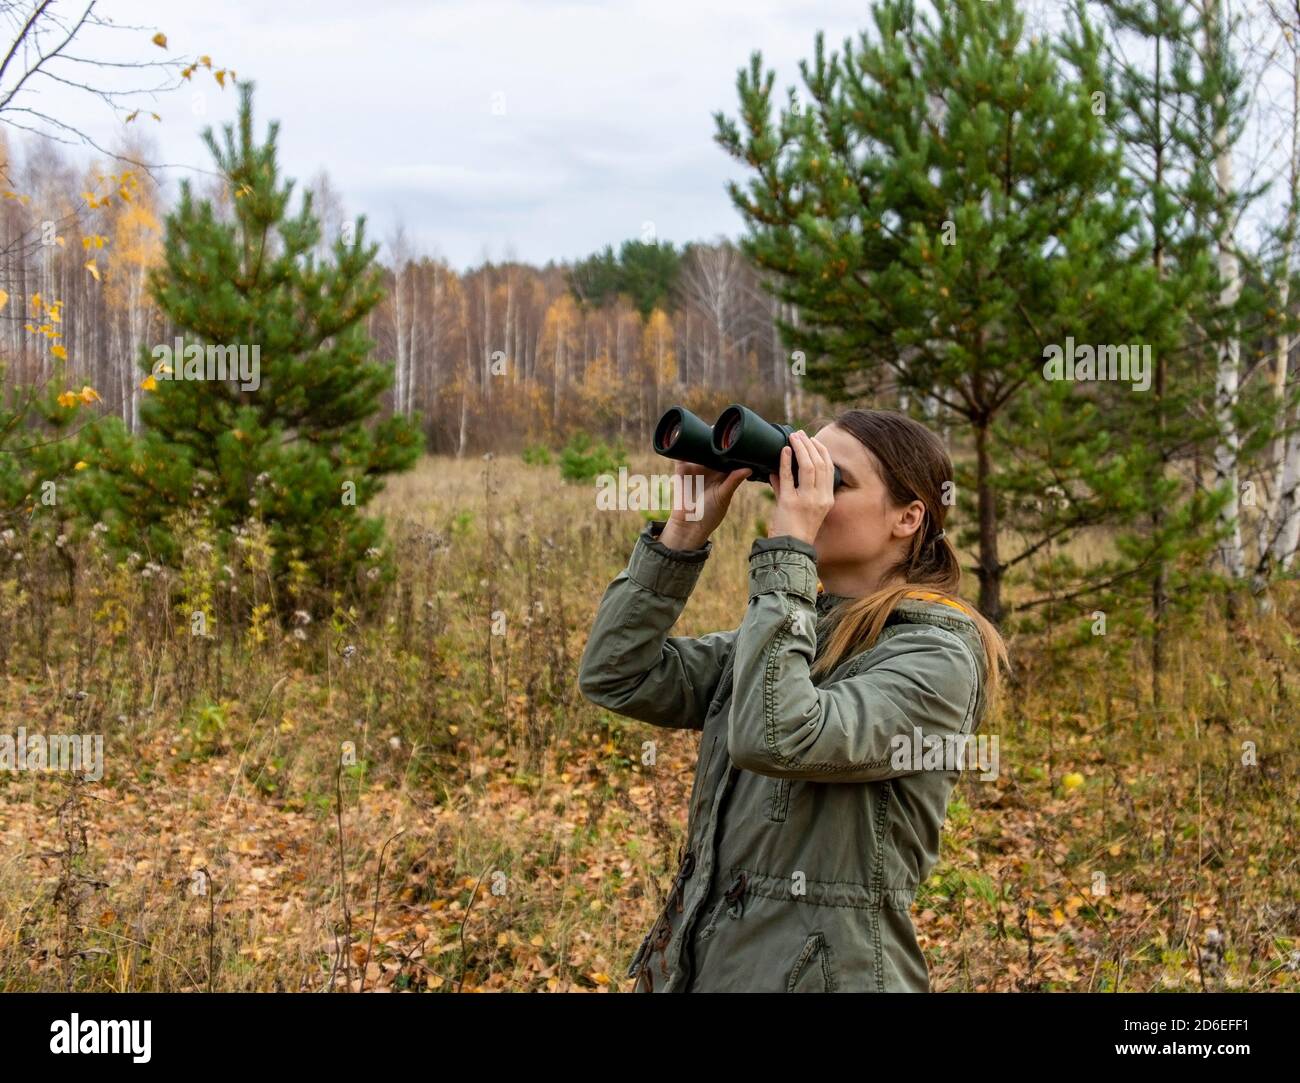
(864, 533)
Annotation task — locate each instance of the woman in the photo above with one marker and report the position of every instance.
(832, 719)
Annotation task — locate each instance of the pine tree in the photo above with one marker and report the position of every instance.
(947, 206)
(1147, 75)
(645, 271)
(296, 446)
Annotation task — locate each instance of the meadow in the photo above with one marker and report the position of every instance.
(420, 798)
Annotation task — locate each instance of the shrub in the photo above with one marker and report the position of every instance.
(584, 459)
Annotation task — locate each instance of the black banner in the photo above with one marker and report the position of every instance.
(231, 1030)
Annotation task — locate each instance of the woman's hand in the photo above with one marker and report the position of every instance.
(800, 509)
(689, 527)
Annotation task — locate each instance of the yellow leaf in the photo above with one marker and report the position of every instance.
(89, 394)
(60, 352)
(81, 464)
(94, 271)
(206, 61)
(131, 116)
(68, 398)
(1072, 781)
(156, 117)
(4, 298)
(160, 40)
(149, 384)
(220, 77)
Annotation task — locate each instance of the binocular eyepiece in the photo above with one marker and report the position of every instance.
(738, 439)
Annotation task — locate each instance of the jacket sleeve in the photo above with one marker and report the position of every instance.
(920, 683)
(631, 665)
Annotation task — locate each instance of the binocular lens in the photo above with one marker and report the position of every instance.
(731, 432)
(668, 430)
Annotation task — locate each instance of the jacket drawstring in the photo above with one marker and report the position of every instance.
(735, 895)
(660, 934)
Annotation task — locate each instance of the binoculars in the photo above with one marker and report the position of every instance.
(738, 439)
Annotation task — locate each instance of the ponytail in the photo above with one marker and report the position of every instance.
(913, 466)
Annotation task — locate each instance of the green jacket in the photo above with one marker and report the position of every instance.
(817, 807)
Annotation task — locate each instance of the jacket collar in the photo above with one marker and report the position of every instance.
(827, 601)
(930, 607)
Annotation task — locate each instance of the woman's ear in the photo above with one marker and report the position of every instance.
(909, 520)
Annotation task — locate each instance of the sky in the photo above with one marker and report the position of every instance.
(487, 129)
(533, 130)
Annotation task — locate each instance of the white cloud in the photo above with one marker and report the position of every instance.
(607, 107)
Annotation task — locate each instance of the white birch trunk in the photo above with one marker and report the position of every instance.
(399, 390)
(1286, 488)
(1228, 374)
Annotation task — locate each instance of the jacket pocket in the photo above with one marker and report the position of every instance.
(814, 970)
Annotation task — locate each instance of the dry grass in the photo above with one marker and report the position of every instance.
(506, 826)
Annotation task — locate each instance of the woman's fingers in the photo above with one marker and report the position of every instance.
(787, 473)
(807, 465)
(732, 482)
(826, 470)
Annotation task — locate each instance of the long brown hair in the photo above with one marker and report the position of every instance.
(913, 465)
